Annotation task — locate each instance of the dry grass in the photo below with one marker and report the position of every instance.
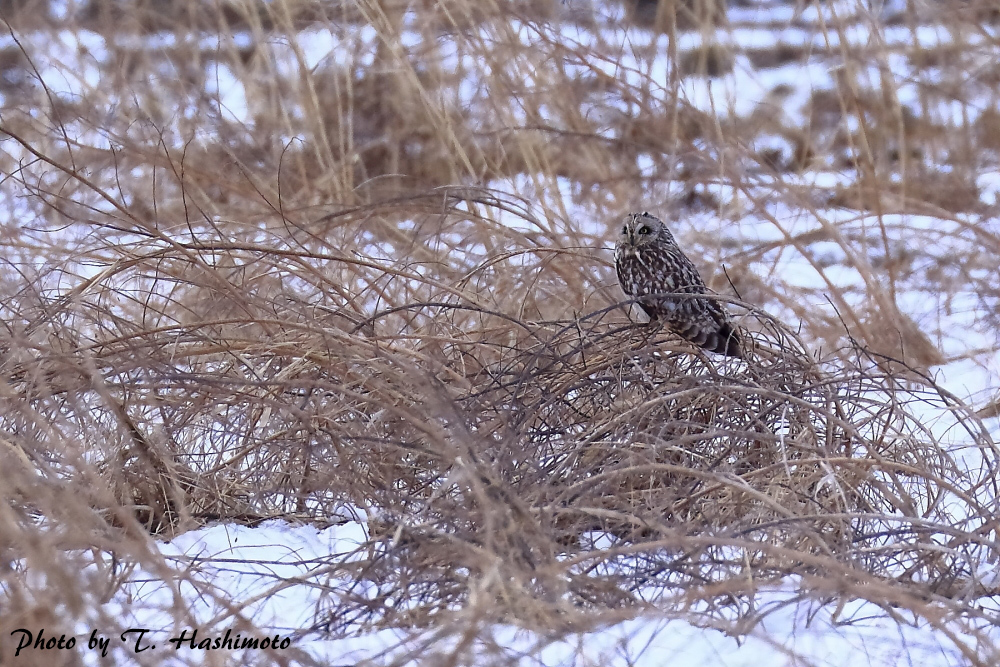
(387, 286)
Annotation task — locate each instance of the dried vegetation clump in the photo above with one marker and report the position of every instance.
(246, 283)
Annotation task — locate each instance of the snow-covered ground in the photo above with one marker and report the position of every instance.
(282, 571)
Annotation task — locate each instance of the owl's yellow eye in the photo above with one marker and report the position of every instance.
(644, 230)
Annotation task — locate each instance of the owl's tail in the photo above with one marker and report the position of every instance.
(724, 339)
(730, 343)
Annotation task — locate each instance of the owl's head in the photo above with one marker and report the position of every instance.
(638, 229)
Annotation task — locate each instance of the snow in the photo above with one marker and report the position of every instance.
(277, 574)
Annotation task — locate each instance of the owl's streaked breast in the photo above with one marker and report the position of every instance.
(645, 271)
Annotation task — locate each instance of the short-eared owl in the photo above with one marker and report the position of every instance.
(650, 264)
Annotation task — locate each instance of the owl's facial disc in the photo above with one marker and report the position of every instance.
(625, 233)
(642, 229)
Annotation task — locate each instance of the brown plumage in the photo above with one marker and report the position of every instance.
(651, 267)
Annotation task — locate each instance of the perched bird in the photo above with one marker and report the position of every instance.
(650, 265)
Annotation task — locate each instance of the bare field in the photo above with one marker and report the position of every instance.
(347, 264)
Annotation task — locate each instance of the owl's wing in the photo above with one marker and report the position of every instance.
(726, 339)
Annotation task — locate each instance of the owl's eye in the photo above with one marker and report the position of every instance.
(625, 230)
(644, 230)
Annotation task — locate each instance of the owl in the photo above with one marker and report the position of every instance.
(650, 267)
